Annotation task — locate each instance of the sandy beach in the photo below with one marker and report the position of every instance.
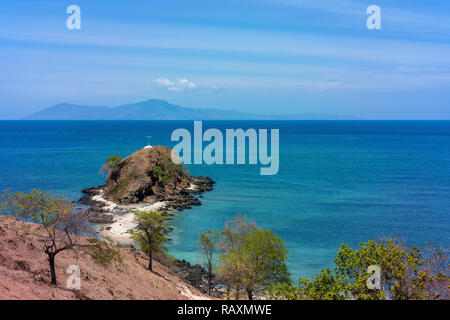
(123, 217)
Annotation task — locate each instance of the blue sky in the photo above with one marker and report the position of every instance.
(261, 56)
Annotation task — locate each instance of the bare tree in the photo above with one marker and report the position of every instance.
(208, 246)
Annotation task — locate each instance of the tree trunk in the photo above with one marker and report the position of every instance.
(51, 261)
(150, 266)
(209, 281)
(228, 291)
(250, 294)
(237, 293)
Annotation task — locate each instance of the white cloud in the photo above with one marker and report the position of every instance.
(177, 85)
(185, 83)
(164, 82)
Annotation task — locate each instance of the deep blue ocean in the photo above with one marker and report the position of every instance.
(339, 181)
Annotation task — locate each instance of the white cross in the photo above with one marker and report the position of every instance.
(148, 146)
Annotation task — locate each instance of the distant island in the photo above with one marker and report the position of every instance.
(155, 109)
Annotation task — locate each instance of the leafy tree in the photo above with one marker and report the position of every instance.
(56, 221)
(406, 273)
(260, 261)
(232, 237)
(235, 232)
(324, 286)
(150, 233)
(111, 163)
(392, 257)
(208, 246)
(252, 259)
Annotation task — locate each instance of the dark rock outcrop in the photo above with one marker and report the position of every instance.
(101, 218)
(197, 276)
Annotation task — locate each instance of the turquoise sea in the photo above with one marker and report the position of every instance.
(339, 181)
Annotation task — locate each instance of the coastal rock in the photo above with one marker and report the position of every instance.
(88, 198)
(101, 218)
(149, 174)
(197, 276)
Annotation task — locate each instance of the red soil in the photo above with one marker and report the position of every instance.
(24, 273)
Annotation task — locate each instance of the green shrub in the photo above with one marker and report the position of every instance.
(104, 253)
(161, 174)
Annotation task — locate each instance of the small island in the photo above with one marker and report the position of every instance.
(144, 181)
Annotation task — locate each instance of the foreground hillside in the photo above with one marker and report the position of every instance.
(24, 273)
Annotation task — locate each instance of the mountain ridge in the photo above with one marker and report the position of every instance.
(155, 109)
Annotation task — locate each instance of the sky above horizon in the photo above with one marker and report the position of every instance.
(257, 56)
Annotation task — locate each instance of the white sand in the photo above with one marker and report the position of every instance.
(109, 205)
(123, 221)
(192, 187)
